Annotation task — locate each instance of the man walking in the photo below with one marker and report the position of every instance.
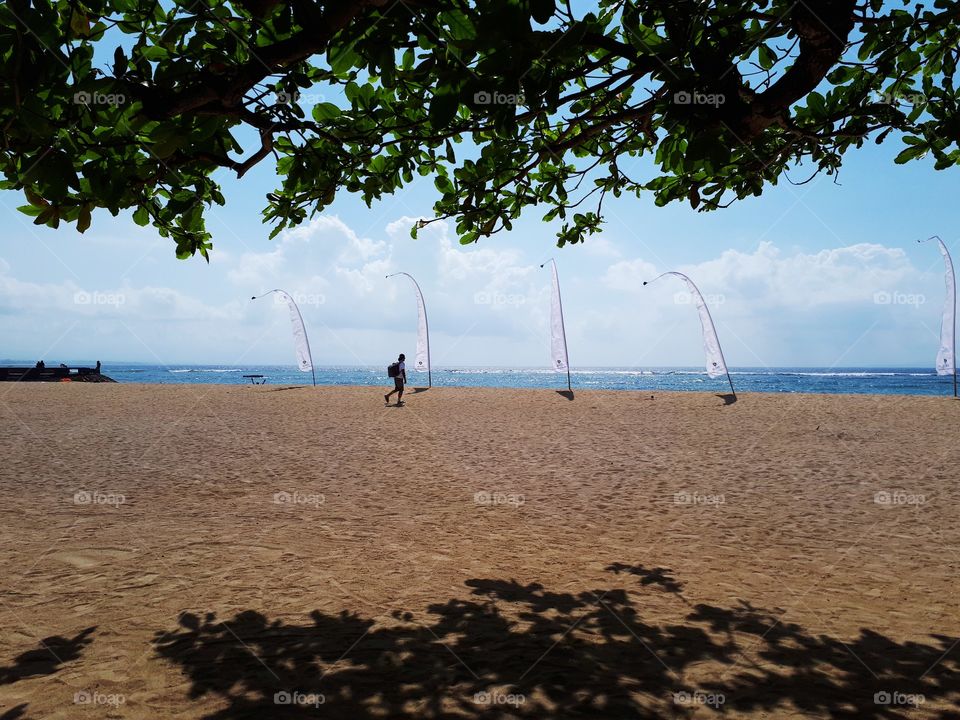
(398, 371)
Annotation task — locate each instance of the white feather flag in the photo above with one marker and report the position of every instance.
(422, 362)
(301, 344)
(946, 360)
(716, 365)
(558, 334)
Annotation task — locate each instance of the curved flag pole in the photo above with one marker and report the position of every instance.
(947, 355)
(304, 356)
(558, 332)
(710, 337)
(423, 329)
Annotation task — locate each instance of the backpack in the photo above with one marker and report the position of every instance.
(393, 370)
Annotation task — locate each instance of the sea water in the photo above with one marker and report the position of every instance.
(883, 381)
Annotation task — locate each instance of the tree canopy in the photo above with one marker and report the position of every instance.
(506, 104)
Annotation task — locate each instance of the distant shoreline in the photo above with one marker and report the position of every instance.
(853, 380)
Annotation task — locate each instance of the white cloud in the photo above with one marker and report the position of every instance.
(599, 246)
(324, 243)
(488, 303)
(841, 275)
(629, 275)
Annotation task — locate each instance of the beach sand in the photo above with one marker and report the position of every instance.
(191, 551)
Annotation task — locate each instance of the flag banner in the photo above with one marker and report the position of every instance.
(558, 335)
(422, 361)
(423, 338)
(301, 344)
(716, 365)
(946, 360)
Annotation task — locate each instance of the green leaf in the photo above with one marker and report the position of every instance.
(342, 59)
(325, 111)
(79, 24)
(767, 57)
(910, 153)
(83, 219)
(542, 10)
(443, 108)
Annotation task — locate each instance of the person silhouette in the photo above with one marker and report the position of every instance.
(399, 380)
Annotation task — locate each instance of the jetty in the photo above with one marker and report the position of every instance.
(61, 373)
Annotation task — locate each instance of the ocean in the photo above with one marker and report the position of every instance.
(883, 381)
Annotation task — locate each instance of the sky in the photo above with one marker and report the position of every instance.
(827, 274)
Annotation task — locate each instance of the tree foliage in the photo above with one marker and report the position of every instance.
(505, 104)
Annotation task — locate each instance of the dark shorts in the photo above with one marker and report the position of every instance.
(398, 383)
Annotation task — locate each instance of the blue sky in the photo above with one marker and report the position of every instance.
(822, 274)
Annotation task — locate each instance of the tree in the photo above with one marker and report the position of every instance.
(507, 104)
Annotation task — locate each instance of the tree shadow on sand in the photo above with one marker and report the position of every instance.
(522, 651)
(661, 577)
(48, 658)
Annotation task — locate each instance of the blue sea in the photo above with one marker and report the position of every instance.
(884, 381)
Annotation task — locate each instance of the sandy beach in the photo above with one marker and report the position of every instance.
(256, 552)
